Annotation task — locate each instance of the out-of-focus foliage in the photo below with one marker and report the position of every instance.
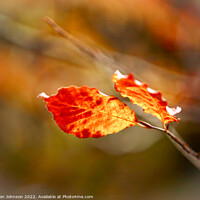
(157, 40)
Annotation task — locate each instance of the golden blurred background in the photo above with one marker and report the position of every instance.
(156, 40)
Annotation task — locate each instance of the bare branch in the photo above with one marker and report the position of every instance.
(95, 54)
(184, 148)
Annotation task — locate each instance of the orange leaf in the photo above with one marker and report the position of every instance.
(86, 112)
(150, 100)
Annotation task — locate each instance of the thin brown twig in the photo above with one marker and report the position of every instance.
(93, 53)
(68, 36)
(181, 143)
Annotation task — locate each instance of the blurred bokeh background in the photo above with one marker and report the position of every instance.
(157, 40)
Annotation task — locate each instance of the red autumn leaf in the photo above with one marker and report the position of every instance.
(86, 112)
(150, 100)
